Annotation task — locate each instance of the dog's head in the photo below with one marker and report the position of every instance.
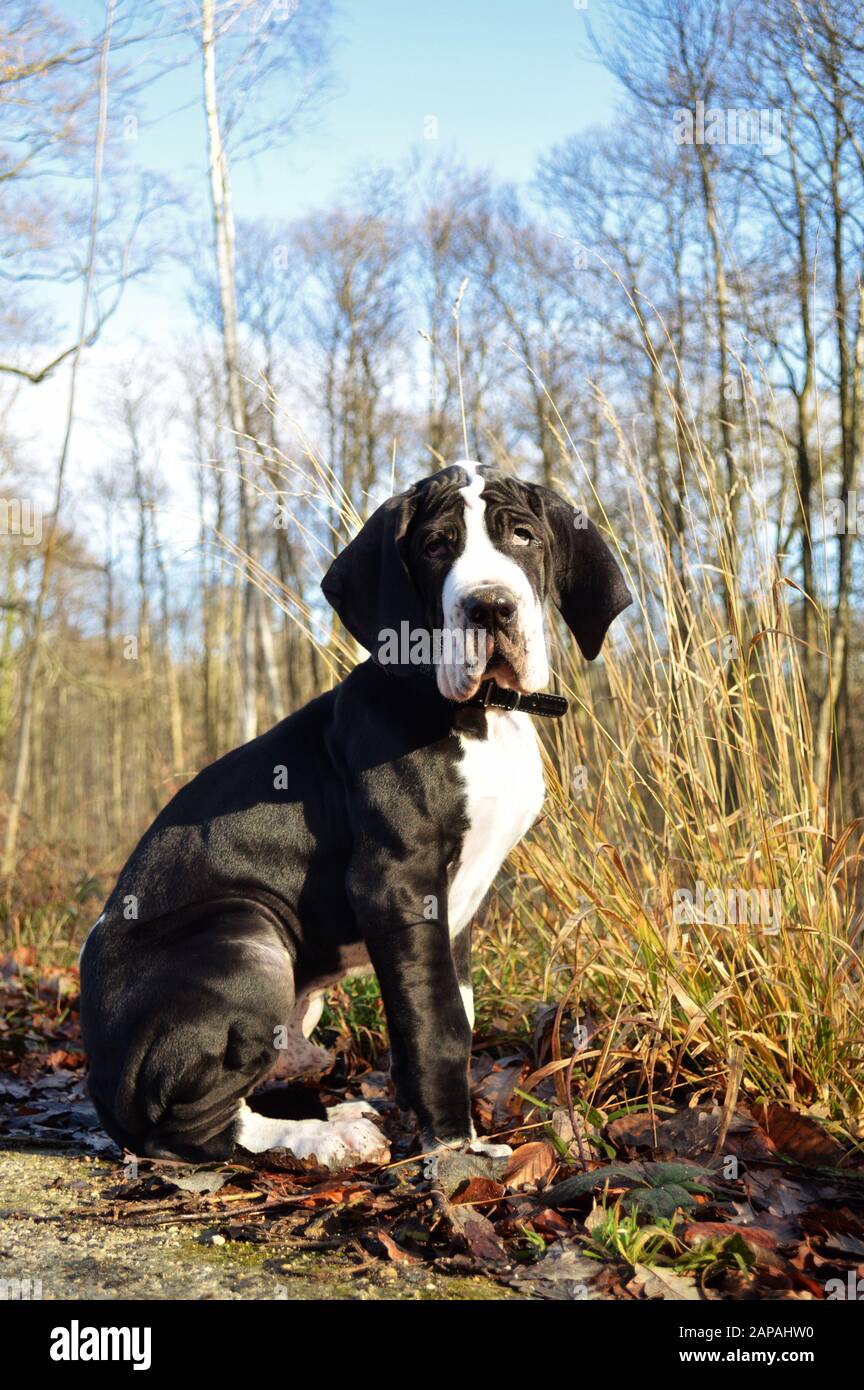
(454, 573)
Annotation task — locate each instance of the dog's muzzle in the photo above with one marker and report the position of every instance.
(497, 645)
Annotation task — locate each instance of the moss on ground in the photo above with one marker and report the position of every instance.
(94, 1257)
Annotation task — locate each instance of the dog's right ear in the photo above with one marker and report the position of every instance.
(368, 583)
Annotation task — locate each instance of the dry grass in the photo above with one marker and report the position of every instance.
(687, 758)
(691, 761)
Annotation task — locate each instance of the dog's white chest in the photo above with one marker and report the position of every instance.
(503, 776)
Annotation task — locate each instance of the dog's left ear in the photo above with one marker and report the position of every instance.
(587, 585)
(369, 584)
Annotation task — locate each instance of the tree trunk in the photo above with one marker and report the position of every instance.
(223, 225)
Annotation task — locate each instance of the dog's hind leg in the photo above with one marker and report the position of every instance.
(182, 1025)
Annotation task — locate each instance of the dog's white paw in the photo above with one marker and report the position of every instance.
(485, 1146)
(362, 1141)
(337, 1143)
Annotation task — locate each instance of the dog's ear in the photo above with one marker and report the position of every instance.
(368, 583)
(587, 585)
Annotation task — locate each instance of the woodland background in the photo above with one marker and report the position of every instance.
(671, 333)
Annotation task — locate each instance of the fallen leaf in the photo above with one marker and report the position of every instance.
(199, 1182)
(394, 1251)
(493, 1096)
(633, 1131)
(530, 1165)
(476, 1234)
(563, 1273)
(549, 1222)
(453, 1167)
(665, 1283)
(799, 1136)
(697, 1232)
(476, 1191)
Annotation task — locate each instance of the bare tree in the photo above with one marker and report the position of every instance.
(256, 47)
(31, 666)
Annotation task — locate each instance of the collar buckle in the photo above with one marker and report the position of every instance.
(493, 696)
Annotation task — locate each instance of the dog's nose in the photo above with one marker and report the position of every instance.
(490, 609)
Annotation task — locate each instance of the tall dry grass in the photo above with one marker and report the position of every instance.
(689, 762)
(687, 759)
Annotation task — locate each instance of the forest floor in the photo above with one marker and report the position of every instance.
(59, 1231)
(706, 1198)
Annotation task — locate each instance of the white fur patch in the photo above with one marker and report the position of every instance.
(504, 789)
(467, 992)
(345, 1138)
(482, 565)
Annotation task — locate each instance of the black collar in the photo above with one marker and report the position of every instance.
(495, 696)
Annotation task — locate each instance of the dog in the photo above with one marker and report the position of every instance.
(362, 832)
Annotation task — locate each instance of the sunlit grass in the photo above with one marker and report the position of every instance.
(687, 757)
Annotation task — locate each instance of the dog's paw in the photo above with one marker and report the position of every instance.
(339, 1142)
(354, 1141)
(352, 1110)
(485, 1146)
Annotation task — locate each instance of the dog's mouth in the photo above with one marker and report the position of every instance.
(498, 658)
(500, 670)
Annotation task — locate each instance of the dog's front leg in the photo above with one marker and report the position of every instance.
(430, 1036)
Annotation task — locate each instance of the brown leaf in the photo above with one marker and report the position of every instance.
(550, 1223)
(493, 1096)
(332, 1191)
(698, 1231)
(665, 1284)
(60, 1060)
(634, 1131)
(476, 1234)
(799, 1136)
(530, 1165)
(839, 1229)
(477, 1191)
(691, 1133)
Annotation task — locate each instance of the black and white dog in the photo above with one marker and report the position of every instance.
(364, 830)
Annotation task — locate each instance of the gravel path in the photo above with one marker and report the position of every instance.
(82, 1258)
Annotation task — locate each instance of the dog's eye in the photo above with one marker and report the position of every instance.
(436, 546)
(520, 535)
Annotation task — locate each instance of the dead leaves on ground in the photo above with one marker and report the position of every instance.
(631, 1206)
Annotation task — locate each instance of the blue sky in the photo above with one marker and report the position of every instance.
(505, 80)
